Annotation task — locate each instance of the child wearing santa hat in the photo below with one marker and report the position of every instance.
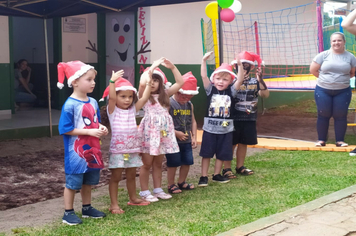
(125, 146)
(157, 128)
(218, 125)
(244, 111)
(81, 130)
(182, 112)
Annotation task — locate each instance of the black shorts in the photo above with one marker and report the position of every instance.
(216, 144)
(245, 133)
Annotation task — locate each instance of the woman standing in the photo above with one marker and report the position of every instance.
(333, 68)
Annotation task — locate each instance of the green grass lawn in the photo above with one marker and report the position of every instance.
(283, 179)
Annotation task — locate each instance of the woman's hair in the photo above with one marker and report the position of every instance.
(134, 100)
(18, 63)
(339, 33)
(163, 98)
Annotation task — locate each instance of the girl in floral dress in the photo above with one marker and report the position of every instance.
(156, 127)
(125, 146)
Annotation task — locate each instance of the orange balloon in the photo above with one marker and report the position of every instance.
(211, 10)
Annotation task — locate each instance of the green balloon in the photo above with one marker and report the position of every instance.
(225, 3)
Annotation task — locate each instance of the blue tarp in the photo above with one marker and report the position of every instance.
(61, 8)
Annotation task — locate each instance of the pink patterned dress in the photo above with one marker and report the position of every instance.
(154, 124)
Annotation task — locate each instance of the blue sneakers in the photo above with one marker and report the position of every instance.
(71, 218)
(92, 212)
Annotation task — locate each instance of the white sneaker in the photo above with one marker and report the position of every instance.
(163, 195)
(150, 198)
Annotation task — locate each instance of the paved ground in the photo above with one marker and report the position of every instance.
(332, 215)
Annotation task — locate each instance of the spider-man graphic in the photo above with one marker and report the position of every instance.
(88, 147)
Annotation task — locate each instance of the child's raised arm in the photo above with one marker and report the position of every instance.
(177, 76)
(348, 22)
(145, 76)
(112, 90)
(146, 93)
(203, 72)
(240, 73)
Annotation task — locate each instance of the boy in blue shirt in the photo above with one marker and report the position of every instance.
(81, 130)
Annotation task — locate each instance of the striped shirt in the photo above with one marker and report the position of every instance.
(125, 138)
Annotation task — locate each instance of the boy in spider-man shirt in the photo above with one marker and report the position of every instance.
(81, 130)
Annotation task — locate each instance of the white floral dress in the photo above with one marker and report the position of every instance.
(155, 122)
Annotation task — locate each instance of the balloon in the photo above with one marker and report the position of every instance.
(227, 15)
(225, 3)
(211, 10)
(236, 6)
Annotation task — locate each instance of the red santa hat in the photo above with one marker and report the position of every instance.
(250, 58)
(190, 84)
(224, 67)
(120, 85)
(72, 70)
(160, 73)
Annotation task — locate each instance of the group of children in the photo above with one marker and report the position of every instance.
(168, 128)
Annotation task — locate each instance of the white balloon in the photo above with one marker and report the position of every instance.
(236, 6)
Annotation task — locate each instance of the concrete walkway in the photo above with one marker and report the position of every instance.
(331, 215)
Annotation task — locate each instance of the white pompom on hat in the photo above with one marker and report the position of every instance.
(190, 84)
(120, 85)
(249, 57)
(72, 70)
(224, 67)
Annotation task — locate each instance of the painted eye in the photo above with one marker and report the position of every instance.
(87, 121)
(115, 25)
(127, 24)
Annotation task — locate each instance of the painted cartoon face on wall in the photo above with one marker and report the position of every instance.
(120, 41)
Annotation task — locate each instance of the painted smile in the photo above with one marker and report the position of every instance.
(123, 55)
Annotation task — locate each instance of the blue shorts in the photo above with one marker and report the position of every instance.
(245, 133)
(75, 181)
(216, 144)
(183, 157)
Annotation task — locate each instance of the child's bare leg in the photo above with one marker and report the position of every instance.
(183, 173)
(131, 185)
(147, 160)
(157, 171)
(205, 162)
(218, 166)
(68, 198)
(171, 173)
(227, 164)
(240, 155)
(86, 194)
(113, 188)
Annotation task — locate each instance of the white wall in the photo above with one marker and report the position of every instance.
(28, 39)
(175, 30)
(74, 44)
(4, 40)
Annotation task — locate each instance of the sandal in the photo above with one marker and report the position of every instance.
(227, 173)
(174, 189)
(244, 171)
(320, 144)
(185, 186)
(341, 144)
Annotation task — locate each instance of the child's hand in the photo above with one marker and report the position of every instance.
(237, 59)
(103, 128)
(168, 64)
(116, 75)
(207, 55)
(181, 136)
(194, 144)
(96, 132)
(156, 63)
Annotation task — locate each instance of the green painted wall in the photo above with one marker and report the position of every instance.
(6, 94)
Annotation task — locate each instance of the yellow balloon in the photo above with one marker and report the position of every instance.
(211, 10)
